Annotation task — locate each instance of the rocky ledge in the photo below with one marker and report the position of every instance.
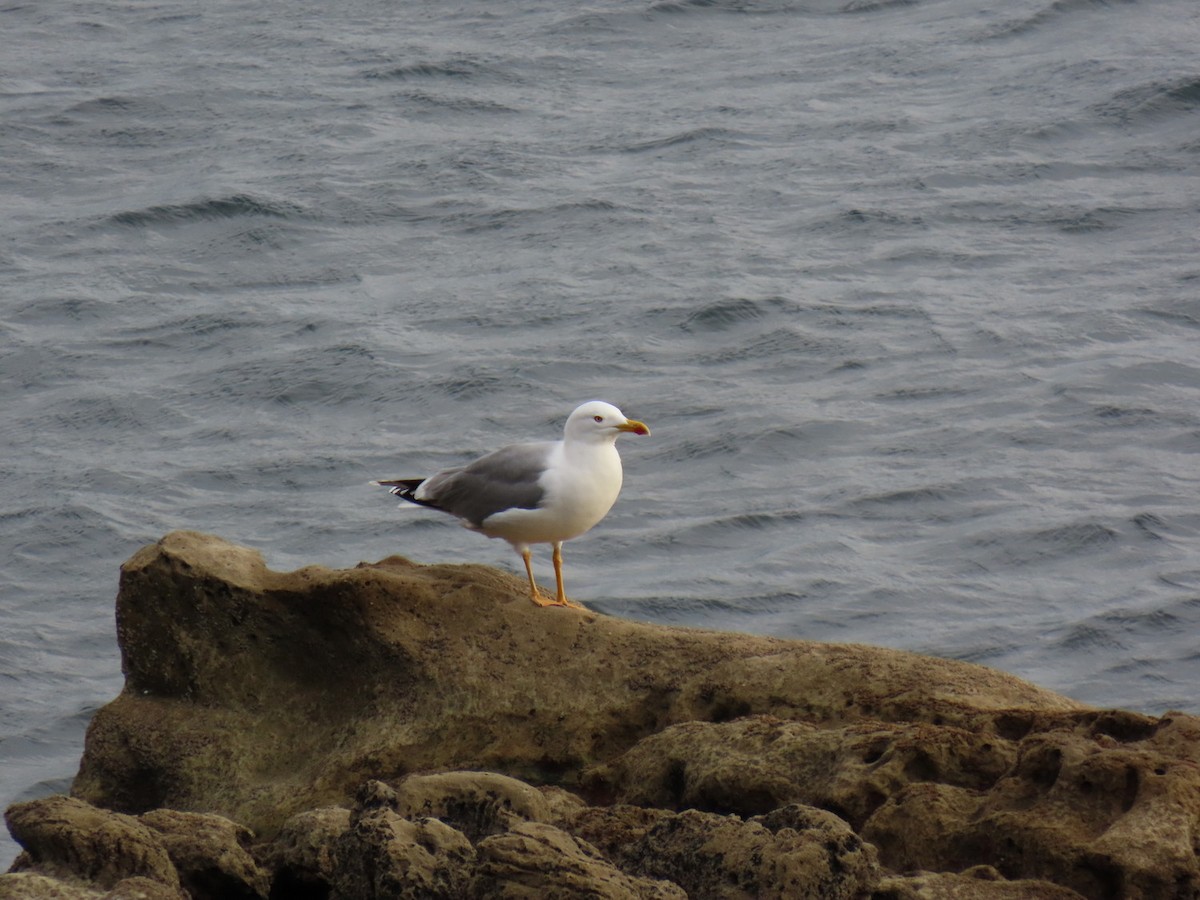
(397, 730)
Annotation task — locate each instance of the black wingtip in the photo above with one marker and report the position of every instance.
(404, 488)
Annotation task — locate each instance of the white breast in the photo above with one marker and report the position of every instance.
(581, 484)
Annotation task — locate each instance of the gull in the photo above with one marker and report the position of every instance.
(538, 493)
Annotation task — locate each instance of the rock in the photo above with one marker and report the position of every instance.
(535, 861)
(31, 886)
(211, 855)
(258, 694)
(1106, 821)
(757, 764)
(386, 856)
(613, 829)
(980, 883)
(561, 804)
(301, 859)
(1073, 805)
(476, 803)
(793, 852)
(403, 730)
(395, 847)
(67, 838)
(139, 888)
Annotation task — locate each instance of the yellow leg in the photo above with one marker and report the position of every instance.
(534, 594)
(562, 595)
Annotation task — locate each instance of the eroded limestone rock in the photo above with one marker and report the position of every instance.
(793, 852)
(211, 855)
(301, 860)
(535, 860)
(401, 730)
(67, 838)
(477, 803)
(259, 694)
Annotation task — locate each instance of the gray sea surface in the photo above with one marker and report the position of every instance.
(908, 291)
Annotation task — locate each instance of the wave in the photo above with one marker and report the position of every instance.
(684, 6)
(557, 216)
(462, 68)
(1045, 545)
(1175, 311)
(756, 521)
(435, 104)
(1155, 99)
(691, 136)
(869, 222)
(208, 208)
(722, 315)
(872, 6)
(908, 496)
(747, 7)
(1051, 13)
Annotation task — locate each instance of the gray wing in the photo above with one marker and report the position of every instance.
(506, 479)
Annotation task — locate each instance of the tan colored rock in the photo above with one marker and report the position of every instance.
(1107, 821)
(980, 883)
(139, 888)
(211, 855)
(384, 856)
(69, 839)
(262, 696)
(476, 803)
(302, 857)
(535, 861)
(613, 829)
(561, 803)
(258, 694)
(1094, 805)
(794, 852)
(759, 763)
(32, 886)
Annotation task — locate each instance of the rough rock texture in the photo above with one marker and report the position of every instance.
(322, 710)
(259, 694)
(794, 851)
(210, 853)
(163, 853)
(376, 852)
(68, 838)
(384, 855)
(301, 859)
(477, 803)
(31, 886)
(979, 883)
(1107, 821)
(758, 763)
(1106, 803)
(535, 860)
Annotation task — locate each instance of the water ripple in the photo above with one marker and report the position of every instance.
(230, 207)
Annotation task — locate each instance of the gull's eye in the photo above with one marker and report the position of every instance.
(598, 418)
